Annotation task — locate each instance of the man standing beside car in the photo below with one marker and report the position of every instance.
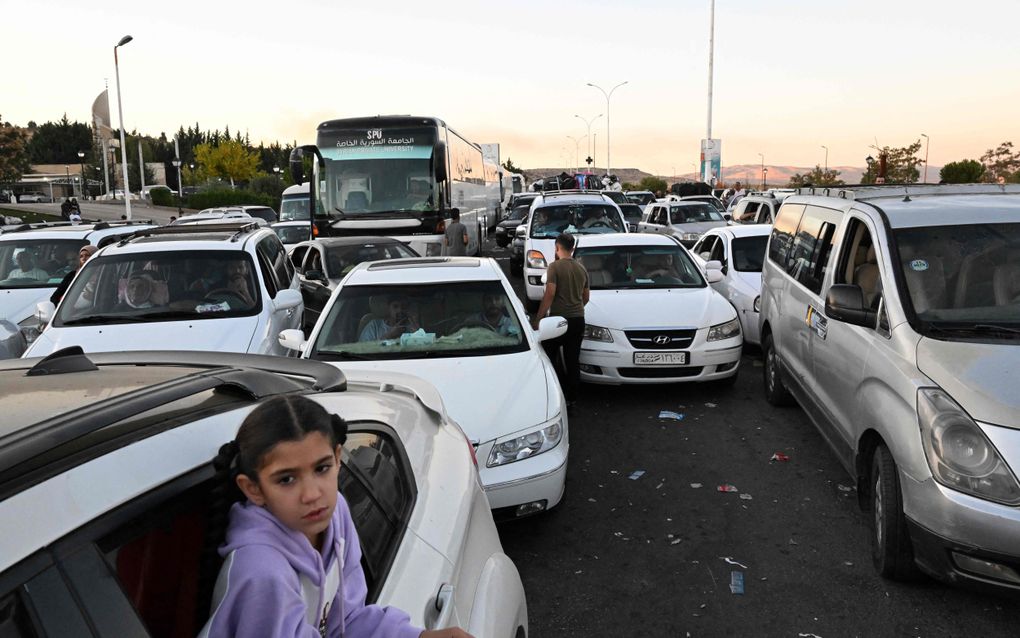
(456, 237)
(566, 293)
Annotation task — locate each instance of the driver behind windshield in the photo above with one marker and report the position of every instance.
(399, 320)
(493, 317)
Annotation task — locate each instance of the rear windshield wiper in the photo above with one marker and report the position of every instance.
(102, 319)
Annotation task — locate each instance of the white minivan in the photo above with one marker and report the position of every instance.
(222, 288)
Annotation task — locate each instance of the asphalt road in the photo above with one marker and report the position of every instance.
(648, 557)
(103, 211)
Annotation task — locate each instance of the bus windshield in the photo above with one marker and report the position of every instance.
(378, 170)
(294, 208)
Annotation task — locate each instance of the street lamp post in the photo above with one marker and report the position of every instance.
(826, 157)
(762, 170)
(577, 142)
(180, 189)
(926, 142)
(81, 161)
(97, 188)
(123, 142)
(608, 95)
(588, 124)
(764, 178)
(67, 173)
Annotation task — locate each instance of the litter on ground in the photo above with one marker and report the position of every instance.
(745, 497)
(727, 488)
(729, 560)
(779, 456)
(695, 485)
(736, 582)
(669, 414)
(636, 475)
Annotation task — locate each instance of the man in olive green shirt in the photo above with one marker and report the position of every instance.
(566, 293)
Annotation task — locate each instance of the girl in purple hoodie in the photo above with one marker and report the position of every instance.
(292, 561)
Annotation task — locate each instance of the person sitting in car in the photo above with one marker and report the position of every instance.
(26, 268)
(398, 321)
(144, 291)
(493, 317)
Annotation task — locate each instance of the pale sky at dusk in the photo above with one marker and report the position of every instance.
(790, 75)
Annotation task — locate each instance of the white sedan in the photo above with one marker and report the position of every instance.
(741, 252)
(457, 323)
(652, 317)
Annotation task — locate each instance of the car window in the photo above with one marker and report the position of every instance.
(276, 255)
(782, 233)
(161, 286)
(579, 219)
(296, 256)
(748, 253)
(706, 245)
(292, 234)
(621, 267)
(689, 213)
(15, 621)
(377, 483)
(448, 319)
(718, 251)
(812, 246)
(37, 263)
(765, 214)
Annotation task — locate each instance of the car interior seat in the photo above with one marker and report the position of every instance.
(356, 200)
(926, 281)
(378, 308)
(868, 278)
(597, 274)
(1006, 283)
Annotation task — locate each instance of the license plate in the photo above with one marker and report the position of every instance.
(660, 358)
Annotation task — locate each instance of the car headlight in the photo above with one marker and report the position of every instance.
(757, 303)
(597, 333)
(690, 236)
(726, 330)
(536, 259)
(531, 444)
(959, 454)
(30, 328)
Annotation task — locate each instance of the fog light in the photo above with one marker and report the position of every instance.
(986, 568)
(590, 369)
(723, 367)
(530, 508)
(535, 281)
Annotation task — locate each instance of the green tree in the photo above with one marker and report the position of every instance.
(14, 158)
(654, 184)
(817, 177)
(229, 160)
(900, 165)
(59, 142)
(1002, 163)
(962, 172)
(509, 166)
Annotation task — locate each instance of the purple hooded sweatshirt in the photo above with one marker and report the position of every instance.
(274, 584)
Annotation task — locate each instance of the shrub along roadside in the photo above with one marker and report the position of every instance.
(224, 197)
(163, 197)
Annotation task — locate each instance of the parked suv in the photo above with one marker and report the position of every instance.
(575, 212)
(686, 220)
(892, 315)
(51, 249)
(112, 510)
(756, 208)
(225, 288)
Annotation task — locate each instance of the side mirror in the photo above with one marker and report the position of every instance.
(439, 161)
(551, 327)
(714, 276)
(44, 311)
(727, 217)
(715, 264)
(292, 340)
(297, 165)
(521, 232)
(287, 299)
(705, 255)
(845, 302)
(315, 275)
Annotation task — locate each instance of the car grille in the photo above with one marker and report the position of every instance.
(660, 339)
(659, 372)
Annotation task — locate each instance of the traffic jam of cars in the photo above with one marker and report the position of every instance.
(890, 317)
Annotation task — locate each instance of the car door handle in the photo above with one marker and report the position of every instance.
(444, 606)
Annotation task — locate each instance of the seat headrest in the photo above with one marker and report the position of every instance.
(872, 257)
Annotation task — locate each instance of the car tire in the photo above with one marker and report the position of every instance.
(891, 550)
(516, 268)
(776, 392)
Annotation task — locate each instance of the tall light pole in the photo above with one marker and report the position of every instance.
(609, 163)
(926, 142)
(81, 161)
(577, 142)
(123, 142)
(711, 60)
(826, 157)
(588, 123)
(762, 170)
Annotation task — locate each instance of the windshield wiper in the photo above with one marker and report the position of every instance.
(977, 328)
(343, 354)
(103, 319)
(170, 314)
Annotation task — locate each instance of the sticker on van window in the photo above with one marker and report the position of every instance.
(919, 265)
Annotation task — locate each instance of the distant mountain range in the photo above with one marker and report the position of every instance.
(747, 173)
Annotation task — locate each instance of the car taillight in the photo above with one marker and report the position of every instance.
(441, 227)
(315, 231)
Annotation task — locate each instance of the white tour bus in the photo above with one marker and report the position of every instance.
(294, 205)
(401, 176)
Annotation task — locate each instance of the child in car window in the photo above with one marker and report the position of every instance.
(292, 561)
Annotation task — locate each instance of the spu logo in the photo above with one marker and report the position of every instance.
(375, 133)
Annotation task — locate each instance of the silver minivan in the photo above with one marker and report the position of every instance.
(892, 315)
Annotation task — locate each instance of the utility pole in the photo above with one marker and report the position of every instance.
(711, 63)
(926, 142)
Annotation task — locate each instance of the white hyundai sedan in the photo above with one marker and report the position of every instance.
(652, 317)
(740, 250)
(457, 323)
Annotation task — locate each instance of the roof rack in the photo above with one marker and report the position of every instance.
(36, 225)
(103, 225)
(236, 228)
(876, 191)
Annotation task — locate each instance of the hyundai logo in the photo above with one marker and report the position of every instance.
(661, 340)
